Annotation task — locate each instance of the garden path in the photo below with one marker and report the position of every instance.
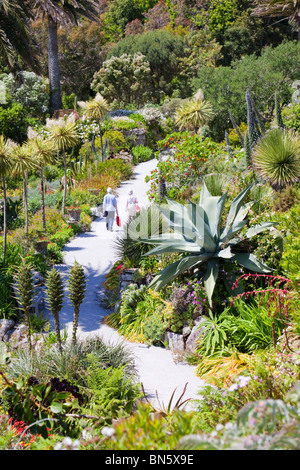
(95, 251)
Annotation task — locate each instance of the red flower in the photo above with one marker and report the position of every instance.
(119, 267)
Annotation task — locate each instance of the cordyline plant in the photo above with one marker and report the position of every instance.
(55, 293)
(203, 242)
(77, 284)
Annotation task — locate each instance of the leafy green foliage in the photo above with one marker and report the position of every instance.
(123, 78)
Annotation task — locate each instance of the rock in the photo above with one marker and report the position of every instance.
(186, 331)
(191, 342)
(6, 326)
(175, 342)
(18, 333)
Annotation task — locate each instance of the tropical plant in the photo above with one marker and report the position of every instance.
(77, 292)
(43, 154)
(193, 114)
(203, 242)
(55, 293)
(15, 34)
(63, 134)
(96, 109)
(61, 12)
(25, 292)
(276, 157)
(23, 162)
(6, 164)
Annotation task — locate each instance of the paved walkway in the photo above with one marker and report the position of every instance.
(95, 251)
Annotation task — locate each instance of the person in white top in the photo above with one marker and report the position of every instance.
(110, 206)
(131, 203)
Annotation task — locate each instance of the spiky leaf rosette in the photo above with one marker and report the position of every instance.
(55, 293)
(77, 288)
(277, 157)
(193, 114)
(197, 233)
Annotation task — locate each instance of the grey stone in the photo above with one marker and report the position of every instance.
(6, 325)
(191, 342)
(175, 342)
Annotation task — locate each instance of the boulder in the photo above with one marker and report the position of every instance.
(175, 342)
(191, 341)
(6, 326)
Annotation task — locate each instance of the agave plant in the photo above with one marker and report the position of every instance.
(196, 232)
(276, 157)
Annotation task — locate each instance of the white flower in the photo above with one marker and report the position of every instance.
(106, 431)
(243, 381)
(219, 427)
(233, 387)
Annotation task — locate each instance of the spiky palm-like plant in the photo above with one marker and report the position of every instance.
(197, 234)
(25, 292)
(77, 288)
(6, 165)
(23, 162)
(43, 154)
(193, 114)
(276, 157)
(55, 293)
(96, 109)
(63, 134)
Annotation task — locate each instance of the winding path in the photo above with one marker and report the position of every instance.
(95, 251)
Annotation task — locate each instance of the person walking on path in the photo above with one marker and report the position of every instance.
(110, 207)
(131, 203)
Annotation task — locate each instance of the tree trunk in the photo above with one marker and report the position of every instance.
(53, 67)
(4, 215)
(25, 201)
(65, 184)
(43, 200)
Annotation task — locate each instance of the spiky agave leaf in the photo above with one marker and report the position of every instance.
(277, 157)
(196, 233)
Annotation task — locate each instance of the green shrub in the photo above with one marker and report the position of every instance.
(141, 153)
(116, 141)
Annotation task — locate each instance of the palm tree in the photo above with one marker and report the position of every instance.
(193, 114)
(43, 153)
(61, 12)
(6, 164)
(63, 134)
(23, 162)
(276, 157)
(276, 8)
(96, 109)
(15, 36)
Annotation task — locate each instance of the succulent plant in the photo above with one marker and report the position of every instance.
(276, 157)
(25, 292)
(198, 235)
(55, 293)
(77, 288)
